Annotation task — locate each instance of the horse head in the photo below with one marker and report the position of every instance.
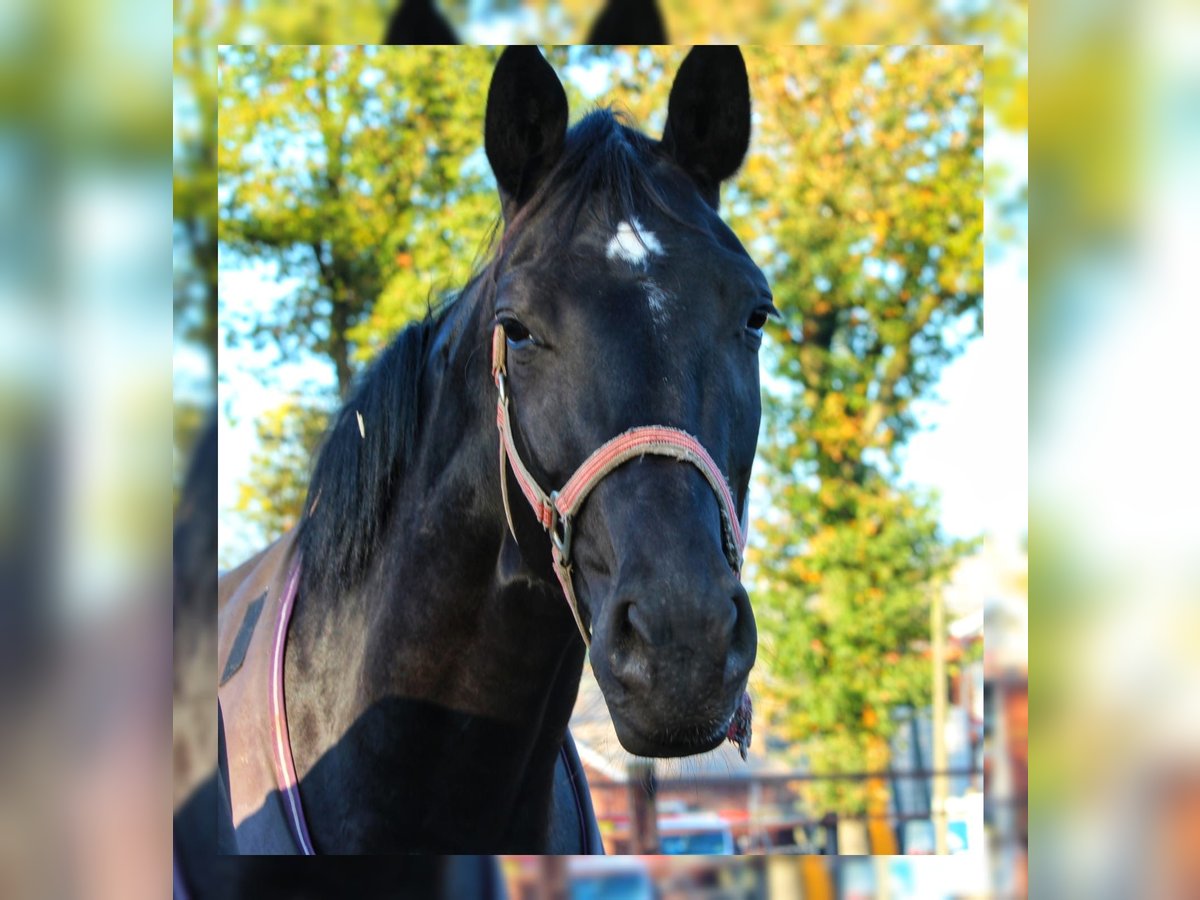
(624, 306)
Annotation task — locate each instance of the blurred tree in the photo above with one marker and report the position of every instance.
(186, 422)
(356, 175)
(288, 436)
(319, 22)
(195, 182)
(864, 205)
(194, 270)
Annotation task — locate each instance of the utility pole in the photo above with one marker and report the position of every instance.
(643, 789)
(554, 884)
(938, 649)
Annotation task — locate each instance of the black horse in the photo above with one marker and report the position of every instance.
(431, 662)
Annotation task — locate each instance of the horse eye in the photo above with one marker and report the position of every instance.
(515, 331)
(757, 320)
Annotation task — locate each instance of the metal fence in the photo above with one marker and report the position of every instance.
(764, 813)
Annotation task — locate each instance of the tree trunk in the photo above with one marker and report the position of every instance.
(339, 346)
(206, 255)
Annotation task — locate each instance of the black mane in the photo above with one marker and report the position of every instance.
(605, 167)
(346, 509)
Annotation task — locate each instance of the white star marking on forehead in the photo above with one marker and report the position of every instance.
(633, 243)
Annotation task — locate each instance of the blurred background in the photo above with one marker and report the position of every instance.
(893, 447)
(85, 494)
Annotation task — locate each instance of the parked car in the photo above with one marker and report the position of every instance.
(700, 833)
(609, 878)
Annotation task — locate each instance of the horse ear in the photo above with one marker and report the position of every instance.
(526, 123)
(708, 117)
(629, 22)
(419, 22)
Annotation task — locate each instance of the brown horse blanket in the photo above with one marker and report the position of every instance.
(254, 606)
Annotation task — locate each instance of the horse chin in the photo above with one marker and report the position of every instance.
(685, 739)
(674, 718)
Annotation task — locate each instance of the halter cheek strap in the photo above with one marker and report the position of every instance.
(556, 510)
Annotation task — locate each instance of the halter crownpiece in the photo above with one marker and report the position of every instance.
(556, 510)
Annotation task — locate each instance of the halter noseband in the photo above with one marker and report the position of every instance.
(556, 510)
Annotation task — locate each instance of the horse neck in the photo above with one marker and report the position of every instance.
(428, 705)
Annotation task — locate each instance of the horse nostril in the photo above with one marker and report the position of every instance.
(623, 637)
(627, 648)
(743, 637)
(638, 630)
(622, 627)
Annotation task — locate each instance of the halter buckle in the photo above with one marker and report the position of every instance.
(502, 387)
(560, 540)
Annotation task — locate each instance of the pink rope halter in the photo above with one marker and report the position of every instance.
(556, 510)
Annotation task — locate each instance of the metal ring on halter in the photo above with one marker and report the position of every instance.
(562, 543)
(502, 386)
